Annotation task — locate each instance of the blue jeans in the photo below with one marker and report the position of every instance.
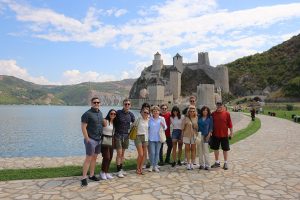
(154, 152)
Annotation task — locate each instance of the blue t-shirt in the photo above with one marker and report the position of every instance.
(205, 126)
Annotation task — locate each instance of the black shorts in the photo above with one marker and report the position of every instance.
(215, 143)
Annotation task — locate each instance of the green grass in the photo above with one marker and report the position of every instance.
(283, 113)
(249, 130)
(67, 171)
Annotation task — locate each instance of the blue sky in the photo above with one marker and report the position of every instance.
(68, 42)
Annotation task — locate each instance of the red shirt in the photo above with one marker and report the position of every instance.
(168, 122)
(222, 122)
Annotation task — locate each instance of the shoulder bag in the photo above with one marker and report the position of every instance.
(133, 130)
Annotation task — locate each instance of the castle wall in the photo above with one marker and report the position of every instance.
(206, 95)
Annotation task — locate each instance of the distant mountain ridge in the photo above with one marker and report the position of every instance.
(17, 91)
(275, 72)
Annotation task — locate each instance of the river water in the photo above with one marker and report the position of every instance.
(52, 131)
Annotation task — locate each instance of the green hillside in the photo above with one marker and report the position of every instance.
(276, 71)
(17, 91)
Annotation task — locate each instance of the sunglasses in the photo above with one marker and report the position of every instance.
(96, 102)
(112, 113)
(146, 113)
(192, 111)
(127, 104)
(164, 108)
(192, 101)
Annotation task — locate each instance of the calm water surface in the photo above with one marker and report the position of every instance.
(54, 131)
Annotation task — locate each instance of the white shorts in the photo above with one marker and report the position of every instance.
(187, 140)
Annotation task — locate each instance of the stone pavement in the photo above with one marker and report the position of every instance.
(263, 166)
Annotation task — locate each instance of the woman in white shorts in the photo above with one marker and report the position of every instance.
(189, 130)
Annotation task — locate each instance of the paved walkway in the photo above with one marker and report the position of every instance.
(263, 166)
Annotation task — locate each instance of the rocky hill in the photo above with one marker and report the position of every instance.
(275, 72)
(17, 91)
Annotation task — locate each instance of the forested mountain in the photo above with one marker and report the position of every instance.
(275, 72)
(17, 91)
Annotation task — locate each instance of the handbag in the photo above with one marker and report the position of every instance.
(133, 130)
(198, 138)
(107, 140)
(162, 135)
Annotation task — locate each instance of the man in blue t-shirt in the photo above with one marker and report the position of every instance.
(92, 127)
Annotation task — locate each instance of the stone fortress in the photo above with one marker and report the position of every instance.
(161, 83)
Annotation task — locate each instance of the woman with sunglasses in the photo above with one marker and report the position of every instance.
(190, 131)
(107, 150)
(141, 141)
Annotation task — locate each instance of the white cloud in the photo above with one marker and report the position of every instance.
(10, 68)
(75, 76)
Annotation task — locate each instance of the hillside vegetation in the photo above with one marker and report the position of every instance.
(274, 72)
(17, 91)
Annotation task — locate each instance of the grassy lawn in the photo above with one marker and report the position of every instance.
(283, 113)
(67, 171)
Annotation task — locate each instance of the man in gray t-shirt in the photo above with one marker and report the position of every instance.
(92, 127)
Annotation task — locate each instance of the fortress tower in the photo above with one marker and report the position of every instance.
(203, 58)
(222, 79)
(177, 62)
(206, 95)
(157, 65)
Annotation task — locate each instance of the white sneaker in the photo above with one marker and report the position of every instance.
(188, 166)
(103, 176)
(150, 169)
(191, 166)
(156, 169)
(123, 172)
(120, 174)
(109, 176)
(144, 167)
(158, 166)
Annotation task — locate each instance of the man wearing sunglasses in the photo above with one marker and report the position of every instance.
(92, 124)
(123, 119)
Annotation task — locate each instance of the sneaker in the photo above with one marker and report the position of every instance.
(158, 166)
(109, 176)
(179, 162)
(191, 166)
(84, 182)
(156, 169)
(144, 167)
(216, 165)
(103, 176)
(94, 178)
(173, 164)
(225, 166)
(201, 167)
(123, 172)
(120, 174)
(206, 168)
(150, 169)
(188, 166)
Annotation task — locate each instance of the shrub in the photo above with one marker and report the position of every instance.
(289, 107)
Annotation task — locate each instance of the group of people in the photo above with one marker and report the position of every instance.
(198, 129)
